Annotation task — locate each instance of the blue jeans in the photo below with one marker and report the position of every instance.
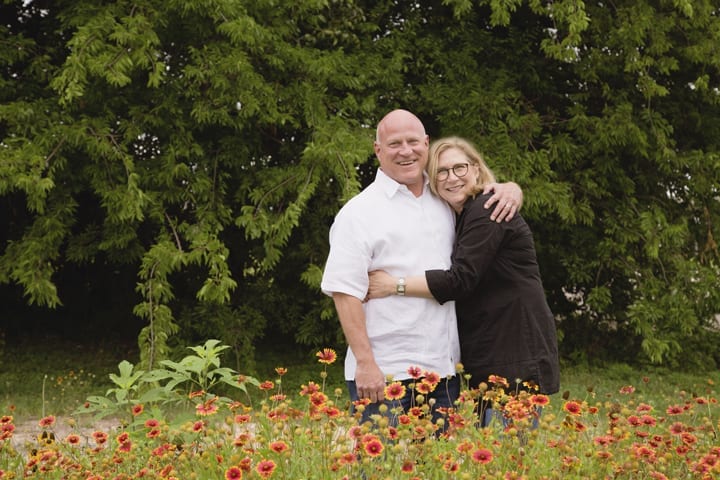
(445, 395)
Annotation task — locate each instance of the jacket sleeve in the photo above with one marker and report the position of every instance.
(479, 239)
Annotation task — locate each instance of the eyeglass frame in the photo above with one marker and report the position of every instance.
(442, 174)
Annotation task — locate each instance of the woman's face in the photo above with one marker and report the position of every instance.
(456, 178)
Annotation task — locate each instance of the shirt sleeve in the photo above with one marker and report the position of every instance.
(349, 258)
(479, 240)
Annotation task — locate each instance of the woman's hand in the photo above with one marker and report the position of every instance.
(381, 284)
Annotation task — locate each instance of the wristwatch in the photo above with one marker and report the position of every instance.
(400, 287)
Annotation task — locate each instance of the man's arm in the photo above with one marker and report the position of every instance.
(369, 379)
(509, 199)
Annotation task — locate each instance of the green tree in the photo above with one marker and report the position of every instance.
(204, 147)
(174, 124)
(608, 116)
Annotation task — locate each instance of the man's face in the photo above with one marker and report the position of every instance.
(402, 149)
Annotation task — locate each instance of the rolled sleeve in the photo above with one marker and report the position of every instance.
(348, 261)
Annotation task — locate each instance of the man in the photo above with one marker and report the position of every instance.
(397, 225)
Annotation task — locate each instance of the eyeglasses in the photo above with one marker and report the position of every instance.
(460, 170)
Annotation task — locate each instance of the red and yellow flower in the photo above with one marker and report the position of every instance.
(233, 473)
(572, 407)
(395, 391)
(374, 447)
(326, 356)
(48, 421)
(278, 446)
(265, 468)
(482, 455)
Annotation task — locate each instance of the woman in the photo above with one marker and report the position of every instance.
(505, 325)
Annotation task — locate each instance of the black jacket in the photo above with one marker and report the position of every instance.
(506, 327)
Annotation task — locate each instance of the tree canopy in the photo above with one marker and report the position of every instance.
(180, 162)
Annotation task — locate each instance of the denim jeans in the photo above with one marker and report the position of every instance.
(445, 395)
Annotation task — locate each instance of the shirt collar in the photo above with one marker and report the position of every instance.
(391, 187)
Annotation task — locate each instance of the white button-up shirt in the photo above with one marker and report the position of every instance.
(386, 227)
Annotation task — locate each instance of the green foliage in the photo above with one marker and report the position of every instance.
(240, 328)
(201, 371)
(206, 146)
(173, 383)
(118, 399)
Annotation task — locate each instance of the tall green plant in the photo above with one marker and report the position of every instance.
(199, 376)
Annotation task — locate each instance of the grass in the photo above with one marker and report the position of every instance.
(55, 376)
(52, 375)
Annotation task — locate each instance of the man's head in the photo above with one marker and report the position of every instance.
(401, 146)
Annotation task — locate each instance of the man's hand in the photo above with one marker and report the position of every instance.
(370, 382)
(508, 197)
(369, 379)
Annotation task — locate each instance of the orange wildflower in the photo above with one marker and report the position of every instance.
(266, 385)
(432, 378)
(326, 356)
(451, 466)
(309, 389)
(424, 387)
(674, 410)
(278, 446)
(332, 412)
(395, 391)
(318, 399)
(48, 421)
(265, 468)
(242, 418)
(572, 407)
(207, 408)
(677, 428)
(374, 448)
(233, 473)
(100, 437)
(482, 455)
(498, 380)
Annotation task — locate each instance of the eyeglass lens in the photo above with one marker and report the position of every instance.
(460, 170)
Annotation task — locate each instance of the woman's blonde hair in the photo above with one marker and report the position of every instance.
(474, 157)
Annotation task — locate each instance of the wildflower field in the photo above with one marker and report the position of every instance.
(195, 419)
